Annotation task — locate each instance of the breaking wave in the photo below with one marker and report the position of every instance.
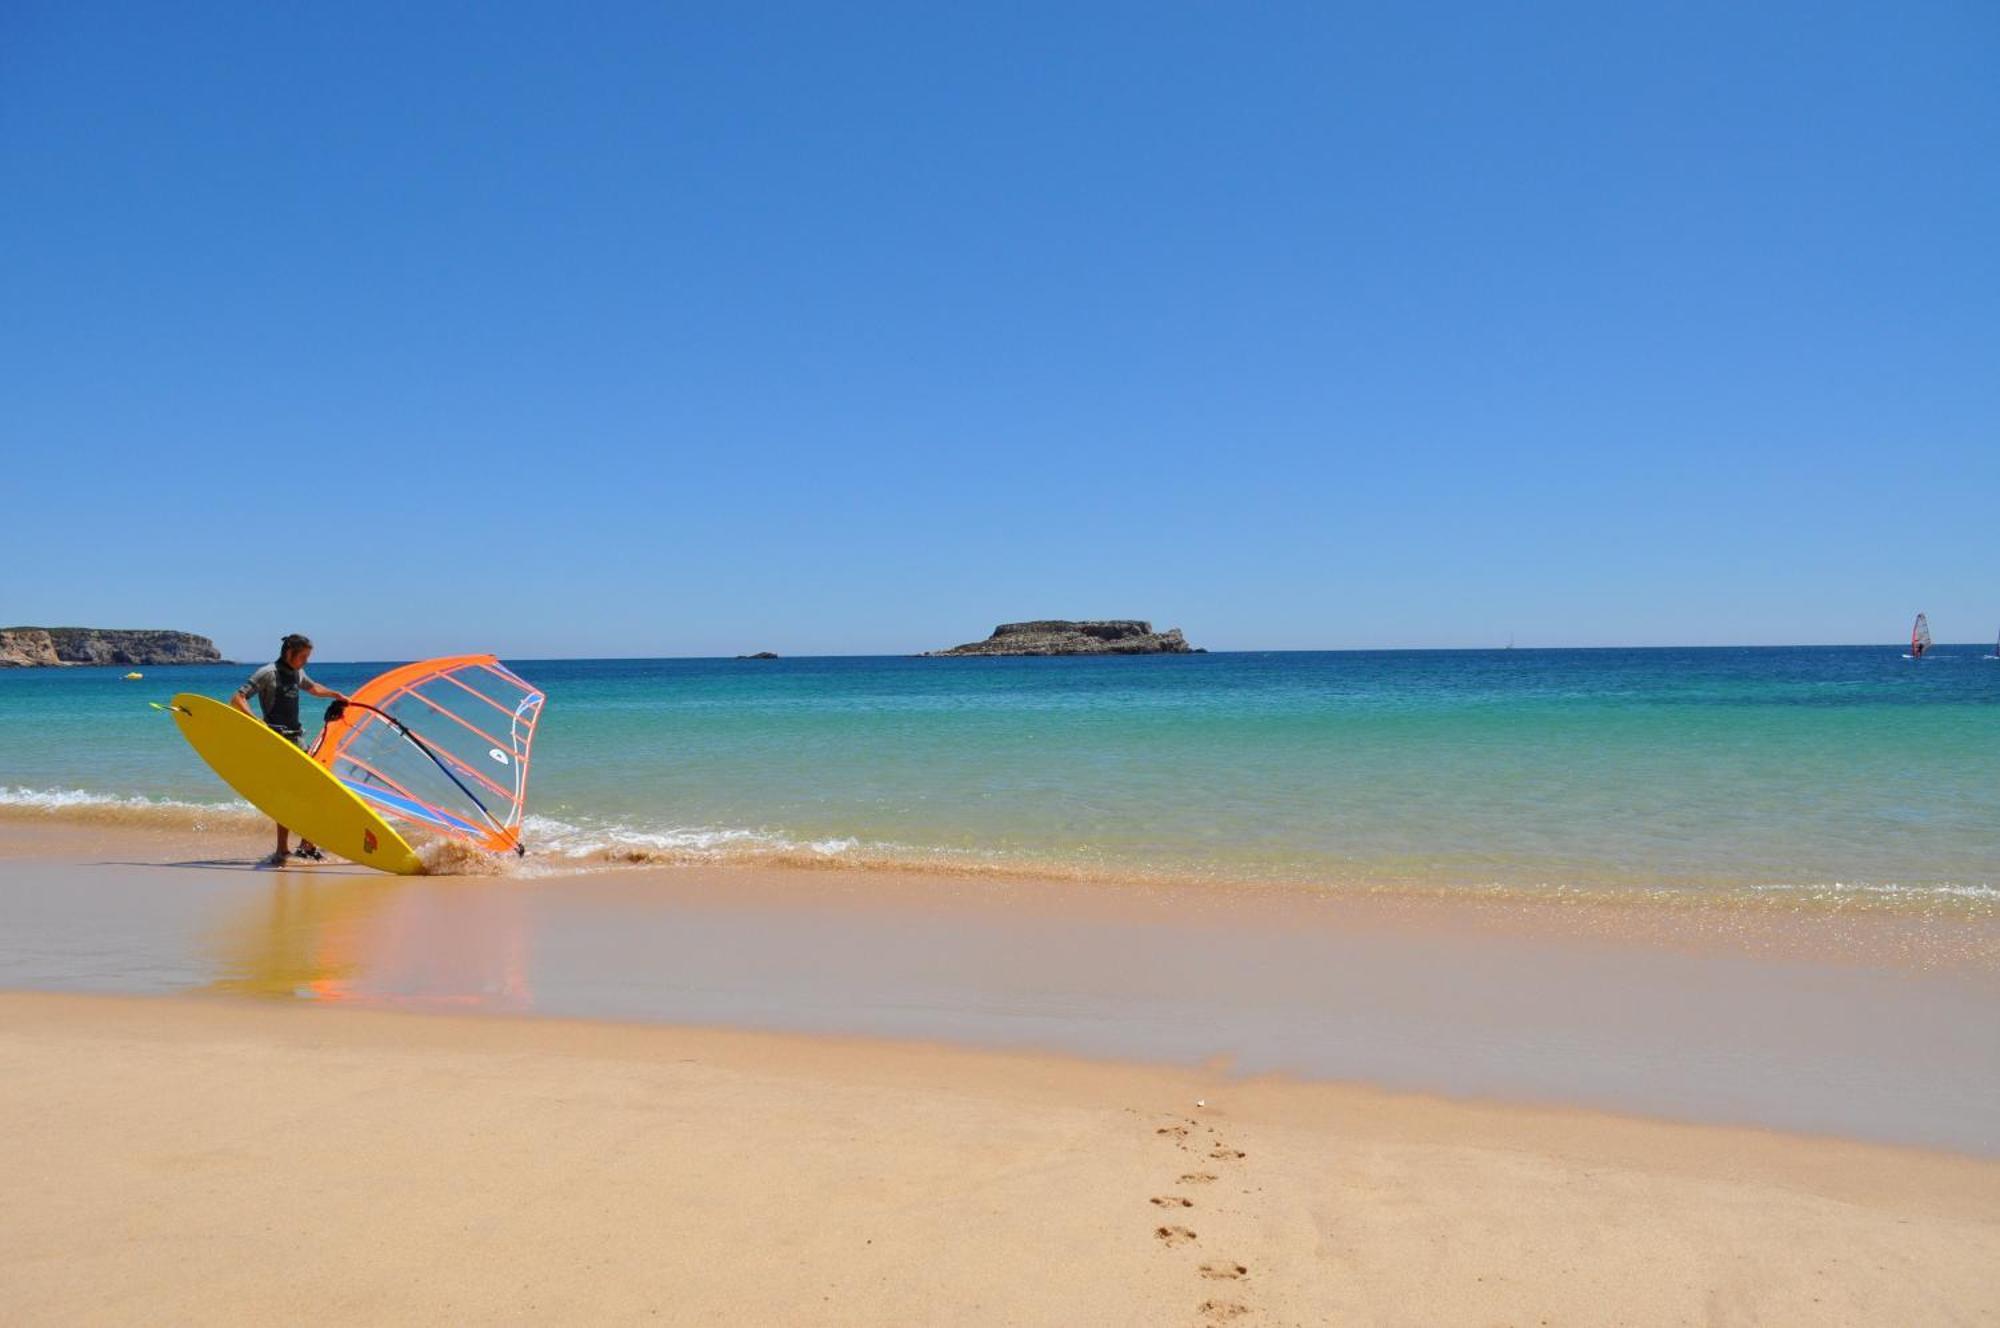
(558, 847)
(80, 805)
(612, 843)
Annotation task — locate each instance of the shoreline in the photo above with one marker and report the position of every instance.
(200, 1159)
(59, 820)
(1855, 1025)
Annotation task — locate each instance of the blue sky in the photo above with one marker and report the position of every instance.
(677, 329)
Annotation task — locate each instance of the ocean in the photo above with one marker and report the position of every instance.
(1828, 776)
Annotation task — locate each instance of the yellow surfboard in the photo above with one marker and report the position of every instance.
(288, 786)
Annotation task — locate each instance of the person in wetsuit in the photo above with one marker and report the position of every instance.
(277, 686)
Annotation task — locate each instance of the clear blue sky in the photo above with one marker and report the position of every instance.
(696, 329)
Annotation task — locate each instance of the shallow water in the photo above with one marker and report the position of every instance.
(1848, 774)
(1877, 1050)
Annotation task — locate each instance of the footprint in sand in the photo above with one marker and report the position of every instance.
(1173, 1131)
(1221, 1270)
(1171, 1201)
(1197, 1177)
(1222, 1311)
(1172, 1235)
(1224, 1153)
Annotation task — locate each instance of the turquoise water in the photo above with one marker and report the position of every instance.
(1830, 772)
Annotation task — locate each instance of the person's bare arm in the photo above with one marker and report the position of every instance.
(328, 692)
(236, 699)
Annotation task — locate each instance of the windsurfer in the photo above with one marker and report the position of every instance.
(277, 686)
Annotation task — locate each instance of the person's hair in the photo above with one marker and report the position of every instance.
(292, 642)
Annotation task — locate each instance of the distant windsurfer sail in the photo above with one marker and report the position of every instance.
(443, 744)
(1920, 637)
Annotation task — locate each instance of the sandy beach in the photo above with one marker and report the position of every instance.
(196, 1160)
(287, 1119)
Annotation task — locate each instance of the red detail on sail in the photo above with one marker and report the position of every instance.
(466, 775)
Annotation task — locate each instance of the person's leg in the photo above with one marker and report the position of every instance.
(277, 859)
(306, 846)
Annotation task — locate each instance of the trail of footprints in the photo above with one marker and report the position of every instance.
(1191, 1136)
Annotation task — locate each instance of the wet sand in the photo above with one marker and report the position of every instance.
(1871, 1026)
(209, 1160)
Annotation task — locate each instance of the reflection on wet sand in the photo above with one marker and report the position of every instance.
(1752, 1023)
(443, 944)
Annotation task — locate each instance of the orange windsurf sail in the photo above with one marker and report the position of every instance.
(443, 744)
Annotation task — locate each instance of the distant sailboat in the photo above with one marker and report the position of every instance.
(1996, 649)
(1920, 637)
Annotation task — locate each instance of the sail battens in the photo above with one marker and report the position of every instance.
(391, 743)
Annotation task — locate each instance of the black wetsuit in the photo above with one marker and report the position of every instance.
(277, 689)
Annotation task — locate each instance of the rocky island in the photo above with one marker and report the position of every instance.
(60, 647)
(1061, 636)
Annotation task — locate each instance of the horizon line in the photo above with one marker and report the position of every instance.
(1288, 650)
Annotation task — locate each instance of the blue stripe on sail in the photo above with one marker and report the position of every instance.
(412, 808)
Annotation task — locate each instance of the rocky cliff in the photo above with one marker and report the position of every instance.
(1059, 636)
(52, 647)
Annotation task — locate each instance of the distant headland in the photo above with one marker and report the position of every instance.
(1061, 636)
(62, 647)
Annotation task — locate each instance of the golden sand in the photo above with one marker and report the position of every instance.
(183, 1160)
